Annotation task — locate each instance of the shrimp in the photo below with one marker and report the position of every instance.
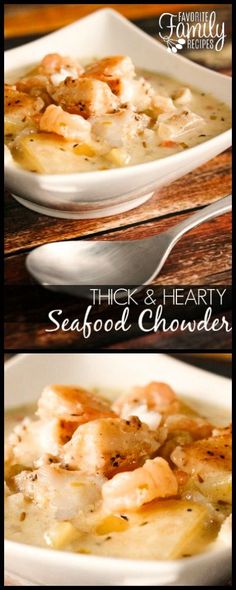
(85, 96)
(56, 120)
(149, 403)
(54, 65)
(53, 70)
(19, 108)
(116, 129)
(36, 86)
(72, 403)
(130, 490)
(108, 445)
(49, 485)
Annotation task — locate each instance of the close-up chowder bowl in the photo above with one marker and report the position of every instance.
(102, 192)
(111, 374)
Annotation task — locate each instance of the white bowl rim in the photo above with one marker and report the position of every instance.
(18, 357)
(129, 170)
(148, 566)
(114, 172)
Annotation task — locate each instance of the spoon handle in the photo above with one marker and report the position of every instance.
(218, 208)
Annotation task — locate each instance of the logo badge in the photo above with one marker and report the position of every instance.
(191, 30)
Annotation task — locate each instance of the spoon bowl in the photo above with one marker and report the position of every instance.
(97, 263)
(134, 262)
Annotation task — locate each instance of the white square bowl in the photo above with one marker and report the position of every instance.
(26, 375)
(106, 192)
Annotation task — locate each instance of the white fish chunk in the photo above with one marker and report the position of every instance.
(108, 445)
(85, 96)
(183, 96)
(177, 125)
(118, 128)
(66, 493)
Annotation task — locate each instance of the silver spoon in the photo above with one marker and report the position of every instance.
(131, 262)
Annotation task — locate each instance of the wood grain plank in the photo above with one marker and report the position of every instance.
(25, 229)
(201, 256)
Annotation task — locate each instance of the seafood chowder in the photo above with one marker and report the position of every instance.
(144, 477)
(62, 117)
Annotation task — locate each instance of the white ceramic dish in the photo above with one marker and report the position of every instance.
(106, 192)
(26, 375)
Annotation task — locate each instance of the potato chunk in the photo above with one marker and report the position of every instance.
(118, 157)
(164, 530)
(46, 153)
(60, 535)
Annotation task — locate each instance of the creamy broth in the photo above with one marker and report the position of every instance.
(67, 155)
(121, 535)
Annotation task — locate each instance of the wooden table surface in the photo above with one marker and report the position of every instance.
(203, 256)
